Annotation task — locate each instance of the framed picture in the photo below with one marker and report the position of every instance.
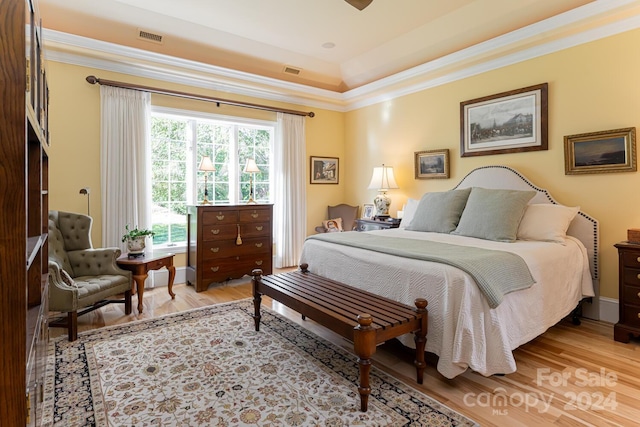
(431, 164)
(324, 170)
(368, 211)
(508, 122)
(606, 151)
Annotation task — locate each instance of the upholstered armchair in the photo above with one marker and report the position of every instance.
(81, 277)
(348, 215)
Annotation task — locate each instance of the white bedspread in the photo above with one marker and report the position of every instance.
(463, 330)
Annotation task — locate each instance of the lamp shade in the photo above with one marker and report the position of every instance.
(383, 179)
(206, 164)
(251, 167)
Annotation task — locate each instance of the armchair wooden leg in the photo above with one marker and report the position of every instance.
(72, 325)
(127, 302)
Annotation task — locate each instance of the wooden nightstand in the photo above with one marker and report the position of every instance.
(629, 292)
(374, 224)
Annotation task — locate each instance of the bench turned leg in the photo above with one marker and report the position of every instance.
(257, 297)
(420, 339)
(364, 342)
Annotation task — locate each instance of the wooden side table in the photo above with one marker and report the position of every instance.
(375, 224)
(140, 267)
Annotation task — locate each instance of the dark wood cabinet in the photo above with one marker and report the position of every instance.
(24, 161)
(227, 241)
(629, 292)
(374, 224)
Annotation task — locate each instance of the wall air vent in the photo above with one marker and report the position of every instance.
(149, 36)
(291, 70)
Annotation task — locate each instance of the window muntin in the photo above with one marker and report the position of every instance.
(178, 142)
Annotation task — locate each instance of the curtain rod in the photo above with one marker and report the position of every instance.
(94, 80)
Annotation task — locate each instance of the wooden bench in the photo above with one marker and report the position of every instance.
(360, 316)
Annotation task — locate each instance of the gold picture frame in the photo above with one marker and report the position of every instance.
(431, 164)
(600, 152)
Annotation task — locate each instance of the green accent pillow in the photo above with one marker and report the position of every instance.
(493, 214)
(439, 212)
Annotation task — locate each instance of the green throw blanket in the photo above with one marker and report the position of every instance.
(496, 272)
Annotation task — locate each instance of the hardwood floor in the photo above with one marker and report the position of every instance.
(570, 376)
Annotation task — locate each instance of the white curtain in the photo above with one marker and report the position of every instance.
(290, 204)
(124, 162)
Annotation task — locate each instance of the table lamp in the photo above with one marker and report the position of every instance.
(382, 180)
(251, 168)
(206, 165)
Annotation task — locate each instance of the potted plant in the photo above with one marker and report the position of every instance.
(136, 240)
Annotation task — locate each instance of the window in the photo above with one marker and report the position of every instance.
(179, 140)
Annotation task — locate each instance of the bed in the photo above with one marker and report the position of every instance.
(467, 328)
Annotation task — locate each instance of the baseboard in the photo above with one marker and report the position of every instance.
(159, 278)
(609, 310)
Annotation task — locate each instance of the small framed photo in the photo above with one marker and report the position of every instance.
(597, 152)
(507, 122)
(432, 164)
(324, 170)
(368, 210)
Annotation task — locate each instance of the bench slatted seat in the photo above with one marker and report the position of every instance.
(357, 315)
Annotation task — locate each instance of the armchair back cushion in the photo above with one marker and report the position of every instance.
(349, 214)
(75, 229)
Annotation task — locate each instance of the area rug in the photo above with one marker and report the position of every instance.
(208, 367)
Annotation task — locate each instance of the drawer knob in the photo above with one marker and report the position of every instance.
(638, 294)
(220, 217)
(638, 276)
(215, 231)
(215, 250)
(259, 227)
(258, 245)
(638, 315)
(638, 259)
(254, 215)
(214, 269)
(259, 262)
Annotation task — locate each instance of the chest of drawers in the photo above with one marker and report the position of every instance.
(629, 292)
(227, 241)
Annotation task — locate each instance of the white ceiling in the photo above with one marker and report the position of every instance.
(263, 36)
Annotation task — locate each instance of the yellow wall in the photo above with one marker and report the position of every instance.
(75, 140)
(592, 87)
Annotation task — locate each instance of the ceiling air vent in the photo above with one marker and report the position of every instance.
(149, 36)
(291, 70)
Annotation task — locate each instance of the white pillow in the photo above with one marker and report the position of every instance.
(409, 211)
(546, 222)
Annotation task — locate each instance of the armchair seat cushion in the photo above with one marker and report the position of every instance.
(92, 289)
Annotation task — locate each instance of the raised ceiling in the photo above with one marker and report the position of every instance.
(333, 45)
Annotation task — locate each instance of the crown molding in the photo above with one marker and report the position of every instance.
(477, 59)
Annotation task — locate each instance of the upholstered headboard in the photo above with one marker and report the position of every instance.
(583, 227)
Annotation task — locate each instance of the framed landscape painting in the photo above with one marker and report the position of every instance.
(324, 170)
(507, 122)
(431, 164)
(606, 151)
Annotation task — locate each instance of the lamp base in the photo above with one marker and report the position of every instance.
(382, 202)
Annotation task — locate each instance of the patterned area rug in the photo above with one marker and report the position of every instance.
(208, 367)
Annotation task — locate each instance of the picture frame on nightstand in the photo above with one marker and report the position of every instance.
(368, 211)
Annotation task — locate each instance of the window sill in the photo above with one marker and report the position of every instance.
(174, 249)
